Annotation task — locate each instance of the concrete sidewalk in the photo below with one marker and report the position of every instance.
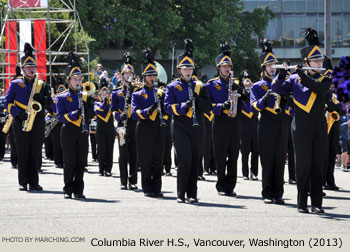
(111, 211)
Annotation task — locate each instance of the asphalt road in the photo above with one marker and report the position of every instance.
(111, 211)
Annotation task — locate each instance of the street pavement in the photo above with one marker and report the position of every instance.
(111, 211)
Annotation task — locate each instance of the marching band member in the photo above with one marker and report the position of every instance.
(74, 132)
(309, 129)
(17, 101)
(121, 106)
(272, 128)
(181, 101)
(249, 134)
(105, 132)
(150, 128)
(226, 125)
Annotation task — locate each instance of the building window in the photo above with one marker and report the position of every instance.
(312, 6)
(346, 41)
(337, 31)
(337, 5)
(288, 5)
(300, 6)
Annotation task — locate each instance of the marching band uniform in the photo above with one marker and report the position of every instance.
(16, 102)
(127, 152)
(74, 141)
(150, 134)
(186, 137)
(309, 129)
(272, 131)
(209, 161)
(225, 128)
(168, 145)
(47, 140)
(105, 134)
(249, 137)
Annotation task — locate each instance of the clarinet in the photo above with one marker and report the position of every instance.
(191, 98)
(162, 122)
(81, 106)
(232, 97)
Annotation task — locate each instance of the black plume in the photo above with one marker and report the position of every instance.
(189, 48)
(265, 45)
(73, 60)
(28, 50)
(311, 36)
(327, 63)
(225, 49)
(244, 74)
(148, 57)
(128, 58)
(18, 72)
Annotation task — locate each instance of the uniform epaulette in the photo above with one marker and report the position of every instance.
(213, 79)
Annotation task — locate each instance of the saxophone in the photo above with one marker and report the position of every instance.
(33, 106)
(7, 124)
(50, 125)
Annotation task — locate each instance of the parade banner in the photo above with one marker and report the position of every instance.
(25, 34)
(10, 44)
(28, 3)
(40, 47)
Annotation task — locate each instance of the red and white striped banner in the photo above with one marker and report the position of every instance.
(40, 47)
(27, 3)
(10, 44)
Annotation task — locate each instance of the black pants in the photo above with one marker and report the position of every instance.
(105, 144)
(168, 146)
(272, 149)
(2, 141)
(249, 144)
(13, 148)
(128, 155)
(209, 161)
(48, 147)
(56, 142)
(333, 142)
(150, 139)
(75, 151)
(29, 153)
(309, 138)
(291, 163)
(226, 137)
(187, 146)
(93, 146)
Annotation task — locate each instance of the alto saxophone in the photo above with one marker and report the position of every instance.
(33, 106)
(50, 125)
(7, 124)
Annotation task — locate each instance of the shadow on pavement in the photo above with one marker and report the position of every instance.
(98, 200)
(337, 198)
(206, 204)
(335, 216)
(46, 192)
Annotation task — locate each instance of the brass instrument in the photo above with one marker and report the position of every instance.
(33, 106)
(331, 118)
(191, 98)
(50, 125)
(155, 91)
(7, 124)
(89, 87)
(303, 68)
(232, 97)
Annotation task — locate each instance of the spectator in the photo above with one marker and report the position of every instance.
(344, 141)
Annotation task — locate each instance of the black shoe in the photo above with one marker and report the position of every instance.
(148, 194)
(79, 196)
(268, 201)
(192, 200)
(317, 210)
(279, 201)
(60, 166)
(158, 195)
(331, 187)
(67, 196)
(108, 174)
(133, 187)
(303, 210)
(323, 194)
(253, 177)
(102, 174)
(201, 178)
(232, 194)
(169, 174)
(221, 193)
(180, 200)
(22, 188)
(14, 166)
(86, 170)
(207, 173)
(245, 178)
(292, 181)
(35, 188)
(123, 187)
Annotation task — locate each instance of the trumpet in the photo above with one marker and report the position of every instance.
(303, 68)
(89, 87)
(232, 97)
